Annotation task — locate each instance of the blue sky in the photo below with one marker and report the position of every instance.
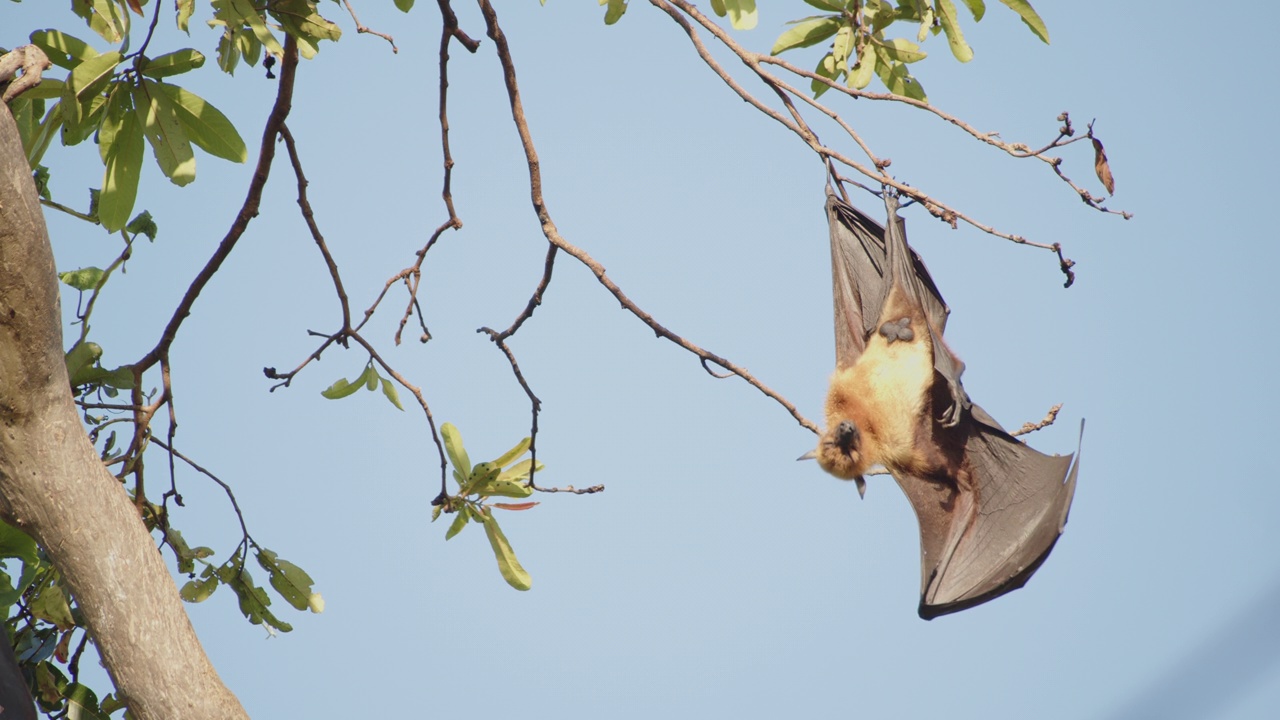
(716, 576)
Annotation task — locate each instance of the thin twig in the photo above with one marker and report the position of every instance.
(225, 487)
(70, 211)
(309, 216)
(553, 235)
(248, 210)
(797, 124)
(1029, 427)
(361, 28)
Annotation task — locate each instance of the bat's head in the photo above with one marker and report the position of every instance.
(839, 453)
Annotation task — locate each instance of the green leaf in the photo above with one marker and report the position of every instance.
(120, 178)
(174, 63)
(899, 80)
(185, 8)
(341, 389)
(369, 377)
(389, 389)
(41, 177)
(26, 116)
(617, 8)
(18, 545)
(84, 79)
(111, 704)
(291, 581)
(48, 89)
(842, 46)
(186, 555)
(832, 5)
(453, 447)
(51, 606)
(519, 471)
(119, 103)
(104, 17)
(121, 377)
(955, 38)
(63, 50)
(827, 69)
(860, 76)
(49, 127)
(460, 520)
(806, 33)
(502, 487)
(228, 52)
(142, 223)
(90, 115)
(482, 473)
(508, 565)
(515, 452)
(742, 13)
(253, 600)
(80, 357)
(977, 7)
(1029, 16)
(244, 11)
(196, 591)
(717, 6)
(300, 19)
(208, 128)
(249, 46)
(407, 5)
(903, 51)
(82, 703)
(169, 143)
(82, 279)
(926, 24)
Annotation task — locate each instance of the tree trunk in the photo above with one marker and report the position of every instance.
(54, 486)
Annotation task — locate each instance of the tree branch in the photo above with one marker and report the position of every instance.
(553, 236)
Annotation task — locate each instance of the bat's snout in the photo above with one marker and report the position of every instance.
(846, 437)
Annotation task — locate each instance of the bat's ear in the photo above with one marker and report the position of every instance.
(811, 455)
(862, 486)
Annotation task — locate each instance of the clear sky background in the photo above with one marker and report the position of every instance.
(716, 576)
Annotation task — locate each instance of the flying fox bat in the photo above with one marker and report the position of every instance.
(990, 508)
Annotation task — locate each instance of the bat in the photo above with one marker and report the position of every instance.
(990, 508)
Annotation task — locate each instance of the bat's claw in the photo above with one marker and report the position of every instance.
(955, 411)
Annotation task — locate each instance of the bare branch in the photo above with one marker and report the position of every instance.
(361, 28)
(553, 235)
(797, 124)
(248, 211)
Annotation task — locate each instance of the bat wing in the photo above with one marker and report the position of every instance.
(985, 537)
(861, 279)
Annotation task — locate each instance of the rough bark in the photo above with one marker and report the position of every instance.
(54, 487)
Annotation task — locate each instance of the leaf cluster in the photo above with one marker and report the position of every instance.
(861, 47)
(503, 476)
(44, 631)
(290, 581)
(741, 13)
(370, 380)
(119, 101)
(126, 101)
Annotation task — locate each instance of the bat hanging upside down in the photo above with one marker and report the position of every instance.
(990, 508)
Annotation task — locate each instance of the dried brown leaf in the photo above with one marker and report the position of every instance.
(1101, 167)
